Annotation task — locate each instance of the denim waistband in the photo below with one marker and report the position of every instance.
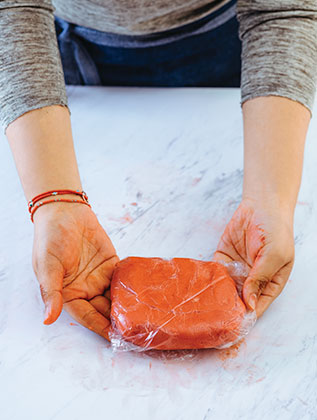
(205, 24)
(72, 39)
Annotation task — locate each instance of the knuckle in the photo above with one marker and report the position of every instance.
(35, 262)
(44, 292)
(262, 282)
(88, 315)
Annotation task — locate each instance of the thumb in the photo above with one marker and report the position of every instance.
(50, 278)
(260, 275)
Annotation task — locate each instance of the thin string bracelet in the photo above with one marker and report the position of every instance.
(37, 202)
(32, 202)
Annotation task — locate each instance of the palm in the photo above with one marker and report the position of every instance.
(82, 258)
(243, 239)
(259, 239)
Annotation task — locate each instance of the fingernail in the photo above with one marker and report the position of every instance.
(252, 301)
(47, 312)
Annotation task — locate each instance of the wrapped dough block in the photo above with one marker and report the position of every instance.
(174, 304)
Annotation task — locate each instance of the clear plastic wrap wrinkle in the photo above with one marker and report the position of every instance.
(177, 304)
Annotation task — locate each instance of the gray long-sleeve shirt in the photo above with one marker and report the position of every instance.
(279, 44)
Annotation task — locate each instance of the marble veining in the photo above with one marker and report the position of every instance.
(163, 172)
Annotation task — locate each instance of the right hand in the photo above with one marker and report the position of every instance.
(261, 237)
(73, 259)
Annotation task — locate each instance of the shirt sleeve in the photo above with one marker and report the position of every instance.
(279, 49)
(31, 74)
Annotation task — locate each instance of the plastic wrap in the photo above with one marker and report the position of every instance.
(177, 304)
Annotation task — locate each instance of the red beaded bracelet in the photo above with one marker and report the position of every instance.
(35, 203)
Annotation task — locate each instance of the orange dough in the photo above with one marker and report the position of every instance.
(175, 304)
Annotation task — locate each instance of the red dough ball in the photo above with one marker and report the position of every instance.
(174, 304)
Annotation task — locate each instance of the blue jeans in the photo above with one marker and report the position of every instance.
(208, 59)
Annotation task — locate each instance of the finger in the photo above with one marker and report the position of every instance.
(102, 304)
(88, 316)
(226, 249)
(50, 277)
(220, 256)
(225, 259)
(273, 289)
(263, 270)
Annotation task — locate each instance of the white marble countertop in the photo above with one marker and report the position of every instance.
(169, 165)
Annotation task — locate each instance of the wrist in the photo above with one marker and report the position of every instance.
(55, 209)
(271, 203)
(271, 192)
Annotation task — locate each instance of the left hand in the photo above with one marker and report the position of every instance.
(73, 259)
(262, 237)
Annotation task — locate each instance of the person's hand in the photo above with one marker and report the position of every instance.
(261, 237)
(73, 259)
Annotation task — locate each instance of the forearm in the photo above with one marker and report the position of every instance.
(42, 146)
(274, 138)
